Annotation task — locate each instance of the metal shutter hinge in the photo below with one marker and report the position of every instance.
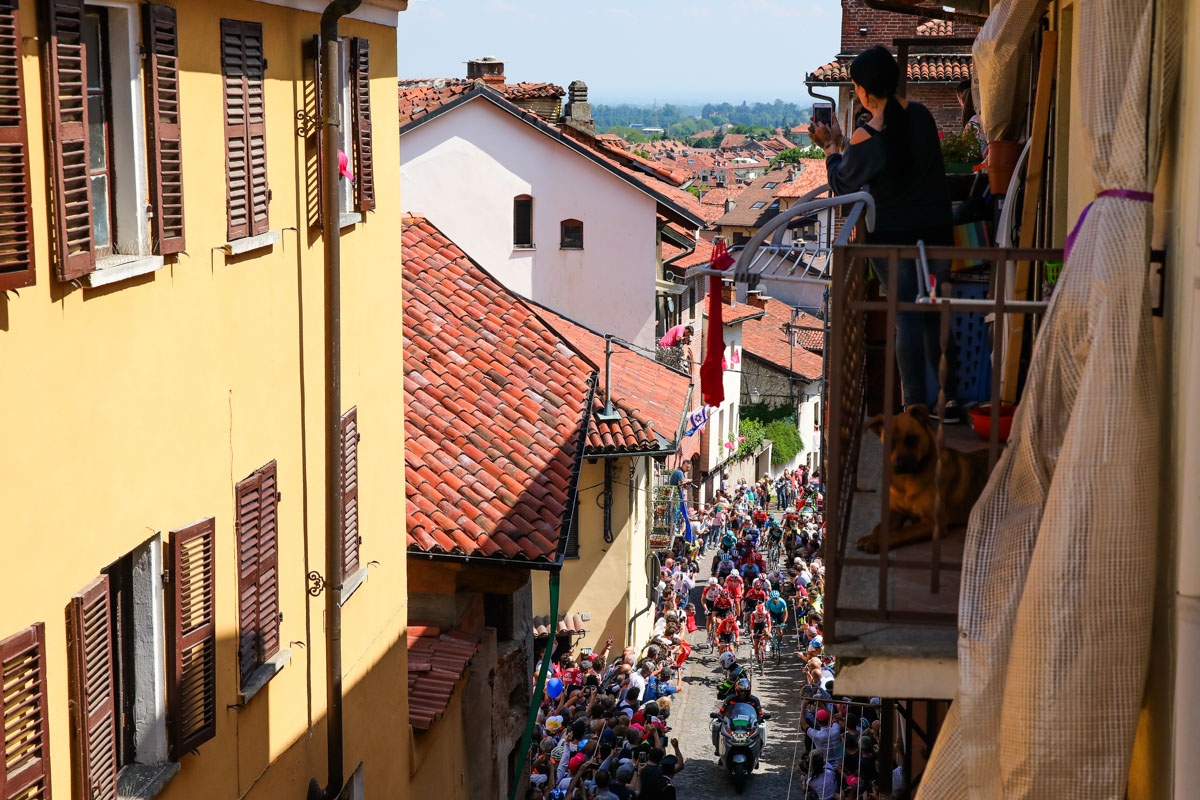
(166, 576)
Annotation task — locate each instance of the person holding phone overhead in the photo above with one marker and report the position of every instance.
(897, 158)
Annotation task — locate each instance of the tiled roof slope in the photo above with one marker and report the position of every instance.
(936, 27)
(744, 213)
(811, 175)
(767, 339)
(425, 95)
(651, 397)
(495, 402)
(733, 140)
(922, 68)
(699, 257)
(437, 660)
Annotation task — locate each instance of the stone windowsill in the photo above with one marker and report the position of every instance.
(351, 219)
(248, 244)
(351, 583)
(145, 781)
(263, 675)
(524, 248)
(118, 268)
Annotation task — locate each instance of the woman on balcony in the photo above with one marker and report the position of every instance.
(897, 157)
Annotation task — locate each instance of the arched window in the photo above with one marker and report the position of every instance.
(522, 221)
(572, 235)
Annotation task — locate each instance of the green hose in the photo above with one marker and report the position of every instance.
(538, 689)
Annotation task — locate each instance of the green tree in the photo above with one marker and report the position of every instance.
(785, 441)
(631, 135)
(753, 434)
(793, 155)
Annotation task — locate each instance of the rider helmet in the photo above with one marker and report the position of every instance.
(775, 594)
(712, 581)
(761, 609)
(741, 689)
(727, 660)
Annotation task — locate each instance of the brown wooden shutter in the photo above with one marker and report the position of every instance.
(364, 159)
(243, 66)
(92, 692)
(160, 39)
(248, 501)
(350, 537)
(258, 576)
(191, 637)
(16, 228)
(315, 136)
(24, 734)
(268, 564)
(64, 70)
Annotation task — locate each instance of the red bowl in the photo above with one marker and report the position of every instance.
(981, 418)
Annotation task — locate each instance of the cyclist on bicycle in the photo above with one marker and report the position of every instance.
(760, 517)
(707, 598)
(725, 566)
(755, 594)
(760, 625)
(733, 585)
(777, 608)
(728, 633)
(722, 606)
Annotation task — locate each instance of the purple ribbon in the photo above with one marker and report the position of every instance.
(1128, 194)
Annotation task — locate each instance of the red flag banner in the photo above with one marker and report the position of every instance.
(712, 380)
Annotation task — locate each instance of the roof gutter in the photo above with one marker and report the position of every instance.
(334, 519)
(576, 468)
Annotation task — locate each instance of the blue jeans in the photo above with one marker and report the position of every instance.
(918, 333)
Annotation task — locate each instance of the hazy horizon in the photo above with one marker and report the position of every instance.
(629, 52)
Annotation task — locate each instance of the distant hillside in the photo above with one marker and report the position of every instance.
(680, 121)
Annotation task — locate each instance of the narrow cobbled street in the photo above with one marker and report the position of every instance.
(780, 772)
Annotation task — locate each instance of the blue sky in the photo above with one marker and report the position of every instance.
(626, 51)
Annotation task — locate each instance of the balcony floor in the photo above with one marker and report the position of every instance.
(908, 589)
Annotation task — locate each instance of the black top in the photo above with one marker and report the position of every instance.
(911, 198)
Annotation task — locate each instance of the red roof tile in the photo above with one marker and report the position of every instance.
(494, 399)
(651, 397)
(437, 661)
(921, 68)
(936, 27)
(699, 257)
(811, 176)
(767, 339)
(733, 140)
(425, 95)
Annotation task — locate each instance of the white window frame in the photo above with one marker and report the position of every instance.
(131, 211)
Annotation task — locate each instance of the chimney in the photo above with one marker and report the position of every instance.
(578, 111)
(487, 69)
(756, 298)
(729, 205)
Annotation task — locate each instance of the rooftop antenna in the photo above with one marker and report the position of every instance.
(608, 413)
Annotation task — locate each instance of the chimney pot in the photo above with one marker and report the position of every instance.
(488, 69)
(729, 205)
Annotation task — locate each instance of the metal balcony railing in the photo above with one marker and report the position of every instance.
(916, 585)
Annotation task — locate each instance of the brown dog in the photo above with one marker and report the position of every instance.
(914, 468)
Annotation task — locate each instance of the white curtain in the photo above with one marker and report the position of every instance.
(1001, 58)
(1058, 572)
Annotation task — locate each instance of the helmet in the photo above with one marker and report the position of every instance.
(727, 660)
(761, 609)
(712, 581)
(741, 689)
(775, 594)
(758, 583)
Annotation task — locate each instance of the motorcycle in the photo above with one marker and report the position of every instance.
(741, 742)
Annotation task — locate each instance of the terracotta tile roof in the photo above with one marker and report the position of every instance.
(494, 404)
(733, 140)
(681, 197)
(766, 339)
(928, 68)
(936, 27)
(762, 191)
(651, 397)
(437, 660)
(424, 95)
(739, 313)
(810, 177)
(697, 258)
(703, 135)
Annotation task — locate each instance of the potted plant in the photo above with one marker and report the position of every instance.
(961, 153)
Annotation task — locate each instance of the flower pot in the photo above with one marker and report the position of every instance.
(981, 419)
(1002, 160)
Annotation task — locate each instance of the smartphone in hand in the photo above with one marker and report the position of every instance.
(822, 112)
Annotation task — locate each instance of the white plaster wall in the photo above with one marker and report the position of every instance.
(729, 410)
(463, 170)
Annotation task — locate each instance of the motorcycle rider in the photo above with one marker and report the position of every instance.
(734, 672)
(741, 694)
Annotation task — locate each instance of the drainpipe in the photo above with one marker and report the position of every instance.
(331, 105)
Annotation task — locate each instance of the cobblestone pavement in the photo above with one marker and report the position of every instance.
(779, 691)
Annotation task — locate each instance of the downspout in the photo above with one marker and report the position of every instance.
(330, 127)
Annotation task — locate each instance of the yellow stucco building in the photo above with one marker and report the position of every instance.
(163, 340)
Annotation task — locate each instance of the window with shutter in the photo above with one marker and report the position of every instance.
(316, 194)
(90, 649)
(191, 637)
(258, 577)
(242, 68)
(24, 738)
(66, 89)
(160, 40)
(350, 537)
(360, 69)
(16, 237)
